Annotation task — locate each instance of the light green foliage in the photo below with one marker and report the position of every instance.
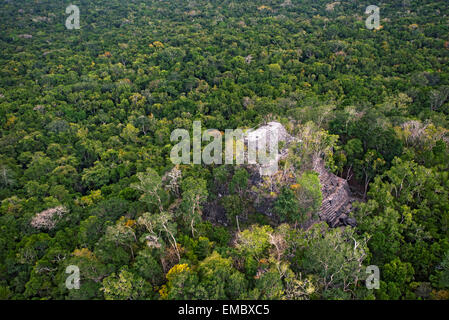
(254, 242)
(194, 193)
(309, 193)
(221, 174)
(150, 184)
(336, 256)
(125, 286)
(220, 279)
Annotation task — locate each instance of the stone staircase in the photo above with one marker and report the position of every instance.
(337, 197)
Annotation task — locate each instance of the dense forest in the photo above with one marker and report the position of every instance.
(86, 178)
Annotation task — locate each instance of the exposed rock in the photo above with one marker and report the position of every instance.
(214, 212)
(273, 132)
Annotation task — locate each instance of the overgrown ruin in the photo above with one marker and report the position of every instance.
(337, 196)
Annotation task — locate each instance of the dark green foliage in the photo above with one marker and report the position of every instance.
(287, 206)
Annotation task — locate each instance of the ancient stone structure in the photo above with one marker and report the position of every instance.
(272, 130)
(337, 197)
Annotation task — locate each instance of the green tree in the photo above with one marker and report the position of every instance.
(287, 206)
(336, 257)
(309, 194)
(150, 184)
(125, 286)
(194, 193)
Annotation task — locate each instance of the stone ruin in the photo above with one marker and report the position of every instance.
(268, 132)
(337, 196)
